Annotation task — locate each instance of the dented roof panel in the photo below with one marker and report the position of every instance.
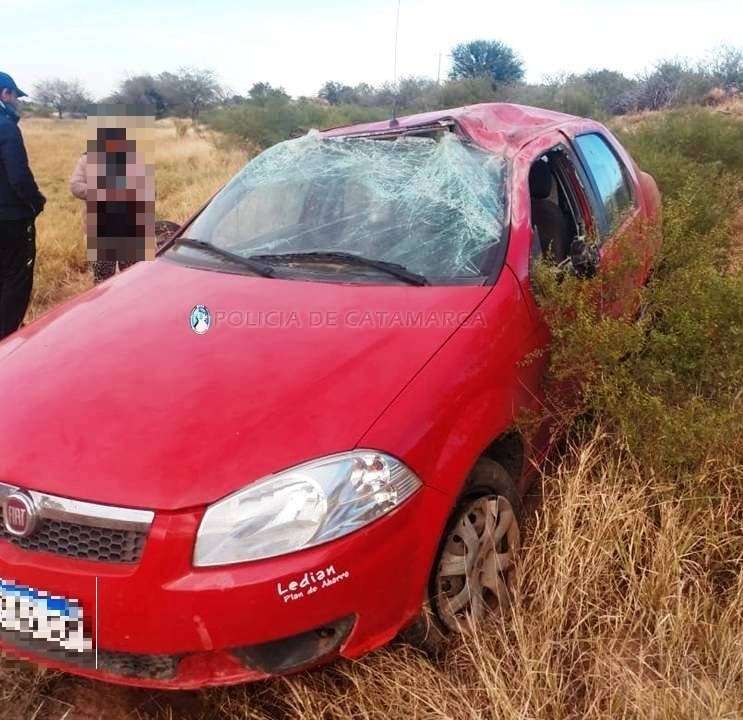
(498, 127)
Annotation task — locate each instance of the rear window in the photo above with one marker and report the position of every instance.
(609, 176)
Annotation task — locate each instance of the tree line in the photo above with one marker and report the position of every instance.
(481, 71)
(185, 93)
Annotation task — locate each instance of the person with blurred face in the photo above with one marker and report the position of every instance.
(20, 203)
(112, 181)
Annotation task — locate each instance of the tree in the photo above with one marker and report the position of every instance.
(672, 82)
(143, 90)
(189, 91)
(606, 87)
(62, 95)
(415, 93)
(465, 92)
(365, 94)
(486, 58)
(335, 93)
(264, 92)
(726, 67)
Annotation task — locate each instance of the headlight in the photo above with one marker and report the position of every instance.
(303, 507)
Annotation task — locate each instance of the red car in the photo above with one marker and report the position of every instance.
(279, 441)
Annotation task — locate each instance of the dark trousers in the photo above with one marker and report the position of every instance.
(17, 258)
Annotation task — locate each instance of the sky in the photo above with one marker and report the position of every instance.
(301, 45)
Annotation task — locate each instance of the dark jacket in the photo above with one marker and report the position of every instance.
(19, 195)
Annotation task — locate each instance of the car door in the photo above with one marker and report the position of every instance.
(613, 193)
(571, 193)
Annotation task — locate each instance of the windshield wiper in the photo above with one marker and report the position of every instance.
(258, 268)
(346, 258)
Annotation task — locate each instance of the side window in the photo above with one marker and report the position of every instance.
(609, 176)
(560, 212)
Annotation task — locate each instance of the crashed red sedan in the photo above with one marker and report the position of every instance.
(282, 439)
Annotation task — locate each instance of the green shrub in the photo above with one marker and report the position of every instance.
(468, 91)
(265, 124)
(682, 142)
(668, 382)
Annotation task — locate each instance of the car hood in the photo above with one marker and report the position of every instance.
(112, 398)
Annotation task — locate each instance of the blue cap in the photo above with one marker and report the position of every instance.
(7, 82)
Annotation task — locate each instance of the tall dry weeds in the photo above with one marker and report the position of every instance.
(628, 604)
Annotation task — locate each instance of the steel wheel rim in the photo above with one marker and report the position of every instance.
(476, 567)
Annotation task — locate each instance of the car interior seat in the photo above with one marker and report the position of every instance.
(546, 215)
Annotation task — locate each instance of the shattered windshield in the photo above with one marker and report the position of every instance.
(434, 206)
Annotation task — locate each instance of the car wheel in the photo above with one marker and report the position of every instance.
(475, 566)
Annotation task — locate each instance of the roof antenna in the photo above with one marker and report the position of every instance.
(393, 120)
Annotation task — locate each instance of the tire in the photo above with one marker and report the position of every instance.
(474, 565)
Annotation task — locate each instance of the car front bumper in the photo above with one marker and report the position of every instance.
(164, 624)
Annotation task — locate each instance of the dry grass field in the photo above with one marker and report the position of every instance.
(628, 602)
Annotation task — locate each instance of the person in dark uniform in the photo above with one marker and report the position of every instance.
(20, 203)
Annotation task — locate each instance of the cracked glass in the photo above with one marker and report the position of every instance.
(434, 205)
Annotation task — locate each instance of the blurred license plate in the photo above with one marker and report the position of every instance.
(41, 616)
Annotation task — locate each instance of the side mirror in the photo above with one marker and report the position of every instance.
(584, 257)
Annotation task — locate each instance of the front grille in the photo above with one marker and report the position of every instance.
(81, 541)
(146, 667)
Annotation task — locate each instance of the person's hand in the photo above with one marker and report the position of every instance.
(120, 195)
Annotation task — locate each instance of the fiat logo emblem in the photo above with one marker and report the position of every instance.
(19, 514)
